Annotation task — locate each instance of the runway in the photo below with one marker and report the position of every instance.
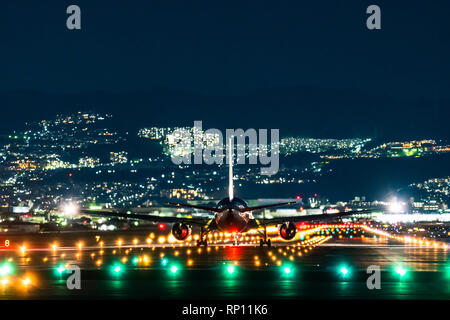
(121, 265)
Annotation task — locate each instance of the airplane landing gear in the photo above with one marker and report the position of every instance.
(264, 239)
(202, 241)
(262, 242)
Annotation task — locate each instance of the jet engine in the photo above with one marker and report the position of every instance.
(288, 230)
(181, 231)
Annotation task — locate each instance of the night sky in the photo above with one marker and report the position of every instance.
(306, 67)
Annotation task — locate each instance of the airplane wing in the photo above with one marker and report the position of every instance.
(266, 206)
(297, 219)
(182, 205)
(147, 217)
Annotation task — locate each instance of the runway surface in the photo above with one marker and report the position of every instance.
(121, 265)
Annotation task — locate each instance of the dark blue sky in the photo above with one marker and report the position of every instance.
(223, 48)
(226, 46)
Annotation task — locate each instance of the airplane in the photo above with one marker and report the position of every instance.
(231, 215)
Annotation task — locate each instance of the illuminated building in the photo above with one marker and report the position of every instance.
(118, 157)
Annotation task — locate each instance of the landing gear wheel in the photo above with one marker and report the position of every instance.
(262, 243)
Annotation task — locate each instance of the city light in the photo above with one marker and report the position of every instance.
(70, 209)
(396, 207)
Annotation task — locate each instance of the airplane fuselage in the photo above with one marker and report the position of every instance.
(230, 219)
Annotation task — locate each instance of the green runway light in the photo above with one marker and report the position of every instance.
(164, 262)
(135, 260)
(230, 269)
(60, 269)
(400, 271)
(287, 270)
(116, 269)
(344, 271)
(6, 269)
(174, 269)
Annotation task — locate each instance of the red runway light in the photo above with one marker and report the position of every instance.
(162, 226)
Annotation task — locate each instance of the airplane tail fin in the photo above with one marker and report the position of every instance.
(230, 169)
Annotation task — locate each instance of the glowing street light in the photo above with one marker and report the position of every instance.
(70, 209)
(395, 206)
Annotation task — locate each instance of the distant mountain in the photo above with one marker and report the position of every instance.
(301, 111)
(376, 179)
